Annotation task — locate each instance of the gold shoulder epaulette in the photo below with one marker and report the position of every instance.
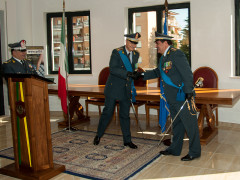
(173, 49)
(119, 49)
(8, 61)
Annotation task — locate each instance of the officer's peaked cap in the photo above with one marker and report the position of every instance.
(133, 37)
(159, 36)
(21, 45)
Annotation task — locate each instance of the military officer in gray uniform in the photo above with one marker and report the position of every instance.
(173, 63)
(18, 63)
(118, 87)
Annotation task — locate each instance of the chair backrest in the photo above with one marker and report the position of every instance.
(158, 83)
(208, 74)
(140, 82)
(103, 76)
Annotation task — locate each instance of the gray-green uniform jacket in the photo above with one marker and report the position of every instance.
(118, 84)
(118, 87)
(177, 68)
(12, 66)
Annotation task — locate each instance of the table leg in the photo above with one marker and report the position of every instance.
(210, 131)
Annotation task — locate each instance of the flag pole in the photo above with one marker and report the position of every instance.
(166, 16)
(164, 107)
(66, 70)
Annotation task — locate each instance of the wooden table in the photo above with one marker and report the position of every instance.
(205, 97)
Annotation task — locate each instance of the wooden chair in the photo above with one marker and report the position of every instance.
(152, 105)
(210, 81)
(102, 79)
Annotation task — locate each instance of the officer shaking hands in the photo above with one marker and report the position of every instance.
(18, 64)
(120, 87)
(177, 78)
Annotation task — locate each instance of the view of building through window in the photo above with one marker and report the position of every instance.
(77, 34)
(147, 50)
(81, 58)
(178, 27)
(81, 54)
(56, 24)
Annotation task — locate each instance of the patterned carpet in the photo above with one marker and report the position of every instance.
(109, 160)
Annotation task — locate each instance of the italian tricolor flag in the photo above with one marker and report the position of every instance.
(63, 69)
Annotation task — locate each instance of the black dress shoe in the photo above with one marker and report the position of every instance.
(96, 140)
(166, 152)
(131, 145)
(188, 158)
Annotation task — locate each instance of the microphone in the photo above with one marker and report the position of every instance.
(199, 82)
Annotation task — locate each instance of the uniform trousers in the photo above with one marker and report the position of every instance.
(185, 122)
(106, 116)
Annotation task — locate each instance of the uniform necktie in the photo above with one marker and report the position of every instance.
(129, 57)
(22, 61)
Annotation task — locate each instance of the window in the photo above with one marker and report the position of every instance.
(151, 20)
(237, 37)
(138, 14)
(139, 45)
(139, 29)
(78, 44)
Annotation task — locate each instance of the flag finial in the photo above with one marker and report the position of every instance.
(166, 6)
(166, 3)
(166, 17)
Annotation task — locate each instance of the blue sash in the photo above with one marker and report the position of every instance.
(128, 66)
(167, 80)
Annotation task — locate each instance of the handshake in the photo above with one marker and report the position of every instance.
(135, 75)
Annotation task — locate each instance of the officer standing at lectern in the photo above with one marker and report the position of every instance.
(18, 63)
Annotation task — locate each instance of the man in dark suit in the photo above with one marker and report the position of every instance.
(119, 87)
(174, 65)
(18, 63)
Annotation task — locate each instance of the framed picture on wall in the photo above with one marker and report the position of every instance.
(35, 56)
(33, 53)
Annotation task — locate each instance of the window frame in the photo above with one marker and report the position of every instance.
(68, 16)
(159, 9)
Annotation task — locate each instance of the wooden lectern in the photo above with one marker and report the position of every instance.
(31, 131)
